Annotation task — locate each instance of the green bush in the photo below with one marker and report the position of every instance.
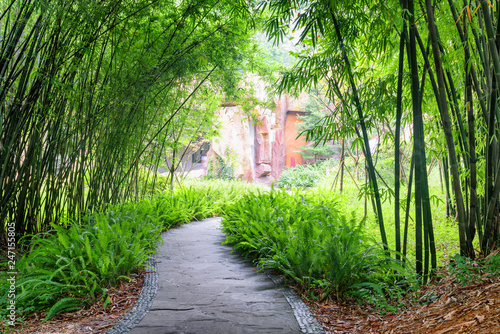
(301, 176)
(78, 262)
(305, 237)
(69, 267)
(220, 169)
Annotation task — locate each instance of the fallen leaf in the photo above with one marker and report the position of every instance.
(449, 315)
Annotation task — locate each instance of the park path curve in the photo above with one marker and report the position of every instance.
(203, 288)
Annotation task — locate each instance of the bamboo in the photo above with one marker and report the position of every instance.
(73, 113)
(465, 241)
(368, 156)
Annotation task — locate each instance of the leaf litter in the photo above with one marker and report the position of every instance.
(441, 307)
(90, 320)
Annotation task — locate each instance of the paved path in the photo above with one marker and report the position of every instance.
(202, 288)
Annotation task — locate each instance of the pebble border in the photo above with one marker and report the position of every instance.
(307, 322)
(144, 302)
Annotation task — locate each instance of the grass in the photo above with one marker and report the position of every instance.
(445, 229)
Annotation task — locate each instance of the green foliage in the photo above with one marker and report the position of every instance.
(113, 87)
(151, 183)
(467, 271)
(63, 305)
(320, 151)
(80, 260)
(464, 269)
(492, 263)
(304, 236)
(220, 168)
(317, 107)
(70, 266)
(355, 198)
(277, 57)
(181, 206)
(300, 176)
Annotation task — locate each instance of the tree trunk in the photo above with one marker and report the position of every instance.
(417, 135)
(465, 241)
(397, 159)
(368, 155)
(473, 221)
(342, 158)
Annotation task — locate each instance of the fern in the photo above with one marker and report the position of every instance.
(75, 261)
(63, 305)
(304, 235)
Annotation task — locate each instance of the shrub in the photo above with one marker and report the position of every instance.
(301, 176)
(306, 237)
(78, 261)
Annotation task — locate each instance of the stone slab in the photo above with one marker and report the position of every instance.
(203, 288)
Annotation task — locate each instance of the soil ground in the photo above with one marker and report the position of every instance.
(455, 309)
(441, 307)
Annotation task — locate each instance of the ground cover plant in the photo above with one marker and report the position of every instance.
(73, 265)
(70, 266)
(323, 251)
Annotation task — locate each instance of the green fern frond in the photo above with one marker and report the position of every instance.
(63, 305)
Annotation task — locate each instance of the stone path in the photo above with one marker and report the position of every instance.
(202, 288)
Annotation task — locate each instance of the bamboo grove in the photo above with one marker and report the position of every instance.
(432, 66)
(93, 92)
(89, 91)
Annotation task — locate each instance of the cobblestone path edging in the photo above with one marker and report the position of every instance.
(144, 302)
(308, 324)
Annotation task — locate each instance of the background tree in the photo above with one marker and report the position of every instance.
(439, 75)
(82, 89)
(316, 108)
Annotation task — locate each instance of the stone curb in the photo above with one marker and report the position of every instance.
(144, 302)
(307, 322)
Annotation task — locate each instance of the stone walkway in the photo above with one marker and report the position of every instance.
(203, 288)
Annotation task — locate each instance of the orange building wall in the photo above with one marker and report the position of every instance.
(291, 141)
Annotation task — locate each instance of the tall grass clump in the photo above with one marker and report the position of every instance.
(306, 237)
